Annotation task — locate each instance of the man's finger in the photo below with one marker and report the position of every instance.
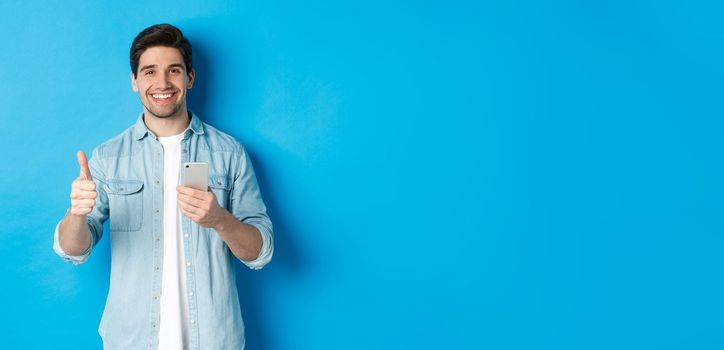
(190, 209)
(87, 185)
(85, 173)
(81, 211)
(198, 203)
(192, 192)
(84, 203)
(83, 194)
(192, 216)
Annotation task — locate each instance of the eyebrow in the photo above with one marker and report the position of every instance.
(176, 65)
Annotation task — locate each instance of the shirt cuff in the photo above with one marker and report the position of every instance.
(267, 248)
(75, 260)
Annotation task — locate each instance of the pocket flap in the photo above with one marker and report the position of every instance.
(123, 186)
(219, 181)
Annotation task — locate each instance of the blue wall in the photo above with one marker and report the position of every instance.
(523, 175)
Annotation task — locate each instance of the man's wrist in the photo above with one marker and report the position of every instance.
(73, 216)
(223, 221)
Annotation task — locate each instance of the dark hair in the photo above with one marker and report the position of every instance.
(160, 35)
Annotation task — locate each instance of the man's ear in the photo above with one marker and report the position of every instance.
(192, 74)
(134, 85)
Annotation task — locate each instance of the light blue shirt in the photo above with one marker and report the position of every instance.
(128, 172)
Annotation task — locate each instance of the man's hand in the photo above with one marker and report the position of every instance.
(244, 240)
(199, 206)
(83, 190)
(74, 235)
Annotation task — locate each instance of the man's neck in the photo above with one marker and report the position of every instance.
(168, 126)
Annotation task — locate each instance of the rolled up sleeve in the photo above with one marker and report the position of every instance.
(73, 259)
(248, 207)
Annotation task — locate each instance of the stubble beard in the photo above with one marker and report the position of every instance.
(161, 114)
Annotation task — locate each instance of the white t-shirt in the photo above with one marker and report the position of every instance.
(173, 327)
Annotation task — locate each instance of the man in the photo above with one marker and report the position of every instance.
(172, 280)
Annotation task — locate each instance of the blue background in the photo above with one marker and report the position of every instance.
(450, 175)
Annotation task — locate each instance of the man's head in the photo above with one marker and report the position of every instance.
(161, 70)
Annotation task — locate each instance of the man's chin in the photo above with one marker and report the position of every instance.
(162, 114)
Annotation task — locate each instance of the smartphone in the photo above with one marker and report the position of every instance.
(196, 175)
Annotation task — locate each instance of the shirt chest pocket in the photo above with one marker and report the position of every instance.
(125, 204)
(220, 186)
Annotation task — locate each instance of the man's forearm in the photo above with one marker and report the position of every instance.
(73, 234)
(244, 240)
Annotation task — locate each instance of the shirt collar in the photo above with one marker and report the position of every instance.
(140, 130)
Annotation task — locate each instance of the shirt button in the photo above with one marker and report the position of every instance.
(156, 210)
(188, 264)
(186, 235)
(193, 321)
(157, 239)
(191, 293)
(155, 297)
(156, 267)
(157, 182)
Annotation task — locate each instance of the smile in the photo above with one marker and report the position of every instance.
(163, 97)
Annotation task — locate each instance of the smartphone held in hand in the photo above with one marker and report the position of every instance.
(196, 175)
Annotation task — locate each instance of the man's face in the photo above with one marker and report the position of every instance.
(162, 81)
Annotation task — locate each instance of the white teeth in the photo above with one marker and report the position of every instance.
(160, 96)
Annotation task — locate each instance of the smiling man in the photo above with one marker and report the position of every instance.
(173, 248)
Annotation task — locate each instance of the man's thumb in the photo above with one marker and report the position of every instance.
(85, 173)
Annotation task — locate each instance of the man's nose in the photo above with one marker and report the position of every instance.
(165, 80)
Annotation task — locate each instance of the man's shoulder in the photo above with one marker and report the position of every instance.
(117, 146)
(220, 141)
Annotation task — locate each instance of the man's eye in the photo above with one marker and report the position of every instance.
(149, 72)
(175, 71)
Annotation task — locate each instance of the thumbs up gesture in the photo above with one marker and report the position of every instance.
(83, 190)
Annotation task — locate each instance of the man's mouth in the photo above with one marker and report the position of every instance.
(163, 97)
